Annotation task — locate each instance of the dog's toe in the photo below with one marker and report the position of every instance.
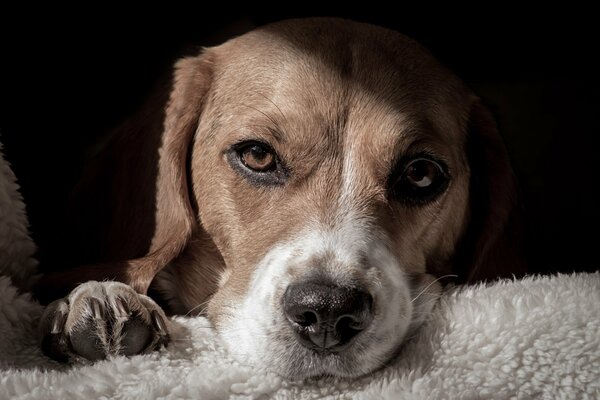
(86, 342)
(53, 340)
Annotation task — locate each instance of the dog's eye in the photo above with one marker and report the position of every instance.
(258, 157)
(258, 163)
(422, 173)
(421, 180)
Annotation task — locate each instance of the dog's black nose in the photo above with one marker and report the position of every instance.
(326, 317)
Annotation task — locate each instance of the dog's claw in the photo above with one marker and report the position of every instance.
(97, 308)
(159, 323)
(58, 322)
(122, 308)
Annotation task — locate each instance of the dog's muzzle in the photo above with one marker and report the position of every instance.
(326, 317)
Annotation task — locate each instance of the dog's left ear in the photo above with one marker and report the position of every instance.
(492, 246)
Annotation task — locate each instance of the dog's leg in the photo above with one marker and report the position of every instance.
(101, 319)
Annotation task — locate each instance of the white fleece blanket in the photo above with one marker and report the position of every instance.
(533, 338)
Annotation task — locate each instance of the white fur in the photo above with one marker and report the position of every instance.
(257, 330)
(349, 176)
(245, 331)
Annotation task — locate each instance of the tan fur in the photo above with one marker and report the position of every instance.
(316, 91)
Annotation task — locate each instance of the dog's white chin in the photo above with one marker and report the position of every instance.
(295, 362)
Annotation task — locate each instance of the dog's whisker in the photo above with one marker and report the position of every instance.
(431, 284)
(272, 102)
(204, 303)
(273, 121)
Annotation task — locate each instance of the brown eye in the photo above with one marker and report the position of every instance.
(420, 180)
(258, 163)
(258, 157)
(422, 173)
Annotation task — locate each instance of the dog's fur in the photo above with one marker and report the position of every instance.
(163, 209)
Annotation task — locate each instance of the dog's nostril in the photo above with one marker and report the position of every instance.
(348, 323)
(305, 319)
(326, 317)
(348, 326)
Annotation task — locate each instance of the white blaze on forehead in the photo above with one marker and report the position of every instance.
(350, 175)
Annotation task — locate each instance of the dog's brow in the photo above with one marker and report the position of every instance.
(417, 136)
(265, 131)
(276, 131)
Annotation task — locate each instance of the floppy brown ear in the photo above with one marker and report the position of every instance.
(492, 246)
(131, 213)
(174, 218)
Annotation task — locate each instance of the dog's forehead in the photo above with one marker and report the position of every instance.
(307, 58)
(328, 70)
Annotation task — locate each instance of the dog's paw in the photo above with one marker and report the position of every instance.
(101, 319)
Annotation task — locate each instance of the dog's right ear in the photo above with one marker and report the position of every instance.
(175, 219)
(131, 213)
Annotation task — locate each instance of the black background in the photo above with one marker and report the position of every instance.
(68, 75)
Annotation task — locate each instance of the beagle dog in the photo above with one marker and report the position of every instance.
(305, 186)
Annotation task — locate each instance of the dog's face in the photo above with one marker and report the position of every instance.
(313, 180)
(329, 170)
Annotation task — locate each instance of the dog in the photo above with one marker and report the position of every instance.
(306, 186)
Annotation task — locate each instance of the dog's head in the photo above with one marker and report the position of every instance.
(318, 176)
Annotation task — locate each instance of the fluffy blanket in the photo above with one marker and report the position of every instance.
(532, 338)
